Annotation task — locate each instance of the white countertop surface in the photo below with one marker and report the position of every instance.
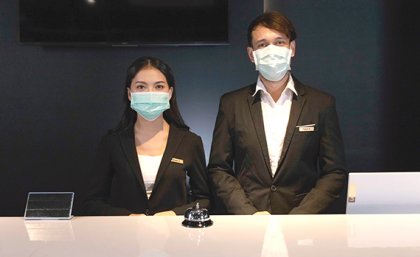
(277, 235)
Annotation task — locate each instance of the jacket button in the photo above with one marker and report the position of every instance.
(147, 212)
(273, 188)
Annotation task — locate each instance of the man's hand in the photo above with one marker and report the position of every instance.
(262, 213)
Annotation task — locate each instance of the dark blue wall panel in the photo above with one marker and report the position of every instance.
(56, 102)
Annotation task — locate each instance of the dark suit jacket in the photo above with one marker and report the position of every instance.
(118, 186)
(311, 171)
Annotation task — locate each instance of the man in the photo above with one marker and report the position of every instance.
(277, 145)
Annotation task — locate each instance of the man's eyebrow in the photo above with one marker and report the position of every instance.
(261, 40)
(282, 38)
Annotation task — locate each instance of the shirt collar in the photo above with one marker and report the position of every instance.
(260, 86)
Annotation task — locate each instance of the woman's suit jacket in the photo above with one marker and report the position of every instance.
(118, 186)
(311, 170)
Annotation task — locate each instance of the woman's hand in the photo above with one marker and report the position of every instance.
(165, 213)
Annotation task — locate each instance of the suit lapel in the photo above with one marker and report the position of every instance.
(129, 148)
(254, 104)
(174, 140)
(296, 109)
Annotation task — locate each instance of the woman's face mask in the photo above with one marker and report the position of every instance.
(150, 105)
(272, 62)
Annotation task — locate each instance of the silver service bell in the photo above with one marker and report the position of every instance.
(197, 217)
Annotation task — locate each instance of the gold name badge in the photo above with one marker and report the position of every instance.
(176, 160)
(306, 129)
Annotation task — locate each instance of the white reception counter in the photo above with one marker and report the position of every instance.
(230, 236)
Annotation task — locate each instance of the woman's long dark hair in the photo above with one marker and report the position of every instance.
(172, 115)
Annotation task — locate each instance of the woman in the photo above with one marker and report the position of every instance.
(150, 164)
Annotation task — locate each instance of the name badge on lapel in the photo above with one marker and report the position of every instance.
(176, 160)
(306, 128)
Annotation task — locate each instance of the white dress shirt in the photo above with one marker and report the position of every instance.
(149, 166)
(276, 117)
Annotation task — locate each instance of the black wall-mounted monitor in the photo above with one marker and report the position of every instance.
(123, 22)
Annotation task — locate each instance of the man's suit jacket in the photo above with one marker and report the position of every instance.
(118, 187)
(311, 171)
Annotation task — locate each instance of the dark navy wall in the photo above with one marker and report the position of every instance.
(56, 102)
(365, 53)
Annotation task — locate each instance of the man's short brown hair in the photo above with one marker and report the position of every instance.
(275, 21)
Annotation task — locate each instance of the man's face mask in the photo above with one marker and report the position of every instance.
(149, 104)
(272, 62)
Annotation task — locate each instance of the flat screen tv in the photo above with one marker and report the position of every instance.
(123, 22)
